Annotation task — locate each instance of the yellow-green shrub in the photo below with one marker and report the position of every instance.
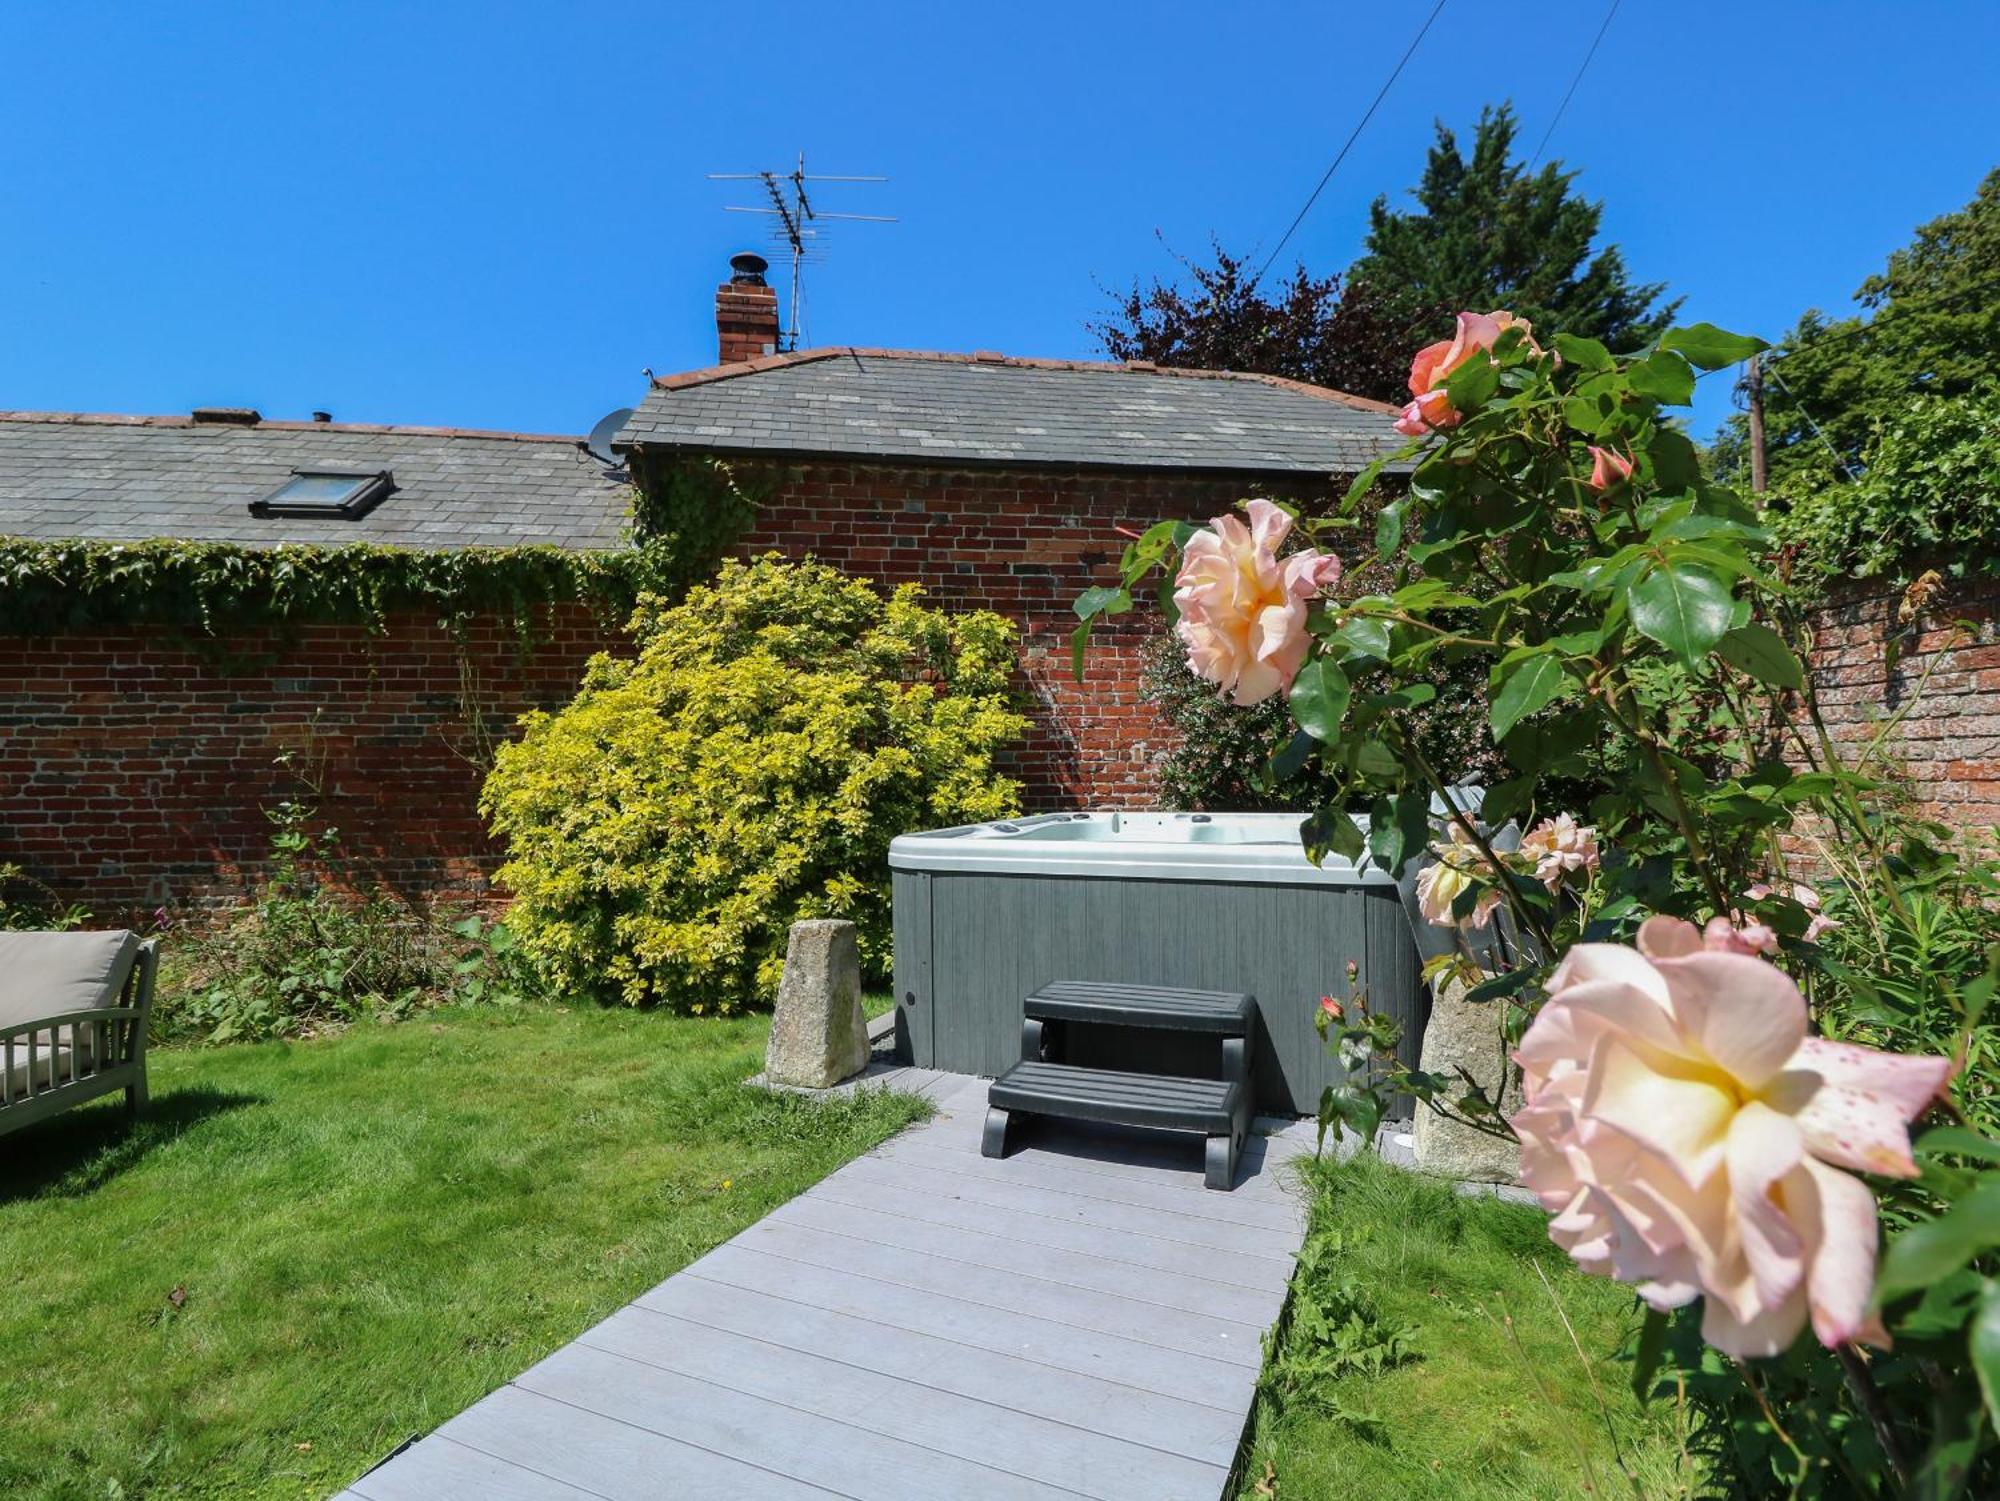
(778, 727)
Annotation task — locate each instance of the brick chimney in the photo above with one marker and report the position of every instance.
(746, 311)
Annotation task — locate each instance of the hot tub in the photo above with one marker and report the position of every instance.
(989, 913)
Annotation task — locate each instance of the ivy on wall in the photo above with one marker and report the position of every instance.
(692, 511)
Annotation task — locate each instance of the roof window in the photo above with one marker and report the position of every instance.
(343, 493)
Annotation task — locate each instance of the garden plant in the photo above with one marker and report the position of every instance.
(1720, 1084)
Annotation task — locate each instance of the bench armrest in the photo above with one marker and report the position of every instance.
(68, 1019)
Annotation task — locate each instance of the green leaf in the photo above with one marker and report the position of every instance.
(1529, 686)
(1364, 637)
(1469, 386)
(1589, 415)
(1102, 600)
(1079, 642)
(1319, 698)
(1761, 652)
(1934, 1249)
(1399, 828)
(1961, 1141)
(1985, 1343)
(1585, 354)
(1389, 528)
(1710, 347)
(1363, 483)
(1493, 987)
(1291, 760)
(1330, 828)
(1687, 610)
(1676, 464)
(1665, 377)
(1646, 1360)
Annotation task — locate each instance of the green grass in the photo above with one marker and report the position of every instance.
(1414, 1385)
(308, 1252)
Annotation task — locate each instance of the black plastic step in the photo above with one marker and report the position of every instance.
(1211, 1106)
(1219, 1012)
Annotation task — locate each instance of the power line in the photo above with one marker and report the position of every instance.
(1382, 94)
(1839, 461)
(1582, 68)
(1872, 325)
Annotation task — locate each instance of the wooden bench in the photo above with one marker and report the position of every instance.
(1217, 1108)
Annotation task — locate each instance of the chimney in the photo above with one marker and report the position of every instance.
(746, 311)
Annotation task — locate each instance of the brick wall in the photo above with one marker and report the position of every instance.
(1868, 663)
(134, 768)
(1024, 543)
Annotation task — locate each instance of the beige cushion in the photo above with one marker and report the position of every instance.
(48, 1065)
(48, 974)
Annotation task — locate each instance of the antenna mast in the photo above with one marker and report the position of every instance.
(798, 225)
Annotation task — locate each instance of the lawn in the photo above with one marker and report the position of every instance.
(309, 1252)
(1433, 1363)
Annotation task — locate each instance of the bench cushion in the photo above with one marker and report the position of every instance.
(48, 974)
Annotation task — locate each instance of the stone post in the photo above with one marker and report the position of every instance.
(818, 1036)
(1466, 1034)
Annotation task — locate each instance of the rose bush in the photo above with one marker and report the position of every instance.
(1692, 1133)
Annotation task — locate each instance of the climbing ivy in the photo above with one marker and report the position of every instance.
(677, 535)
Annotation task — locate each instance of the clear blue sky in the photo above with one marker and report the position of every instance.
(494, 215)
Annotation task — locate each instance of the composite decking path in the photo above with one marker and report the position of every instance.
(1081, 1319)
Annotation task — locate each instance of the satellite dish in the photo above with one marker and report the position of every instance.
(598, 444)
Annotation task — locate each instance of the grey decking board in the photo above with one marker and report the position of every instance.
(1049, 1171)
(1191, 1378)
(921, 1324)
(1175, 1290)
(775, 1437)
(1189, 1429)
(1010, 1292)
(617, 1460)
(441, 1469)
(1132, 1219)
(1002, 1438)
(1252, 1272)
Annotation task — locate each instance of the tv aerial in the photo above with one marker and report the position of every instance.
(797, 229)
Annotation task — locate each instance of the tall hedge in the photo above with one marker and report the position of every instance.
(747, 769)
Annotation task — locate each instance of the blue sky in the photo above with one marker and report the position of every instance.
(495, 215)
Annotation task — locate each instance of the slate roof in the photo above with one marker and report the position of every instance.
(989, 409)
(74, 475)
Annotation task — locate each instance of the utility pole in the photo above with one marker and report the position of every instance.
(1753, 381)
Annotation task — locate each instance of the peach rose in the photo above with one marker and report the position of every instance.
(1607, 468)
(1432, 410)
(1459, 868)
(1558, 846)
(1689, 1137)
(1243, 608)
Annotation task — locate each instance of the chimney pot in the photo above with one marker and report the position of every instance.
(746, 311)
(322, 416)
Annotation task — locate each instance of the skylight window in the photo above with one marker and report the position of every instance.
(341, 493)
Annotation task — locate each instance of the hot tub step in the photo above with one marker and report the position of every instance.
(1219, 1012)
(1220, 1109)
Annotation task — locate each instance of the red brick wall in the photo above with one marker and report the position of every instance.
(1024, 543)
(134, 768)
(1868, 664)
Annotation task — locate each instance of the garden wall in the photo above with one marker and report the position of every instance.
(135, 767)
(1025, 543)
(1868, 663)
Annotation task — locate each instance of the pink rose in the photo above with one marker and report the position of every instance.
(1434, 364)
(1243, 608)
(1689, 1137)
(1459, 868)
(1607, 468)
(1558, 846)
(1737, 934)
